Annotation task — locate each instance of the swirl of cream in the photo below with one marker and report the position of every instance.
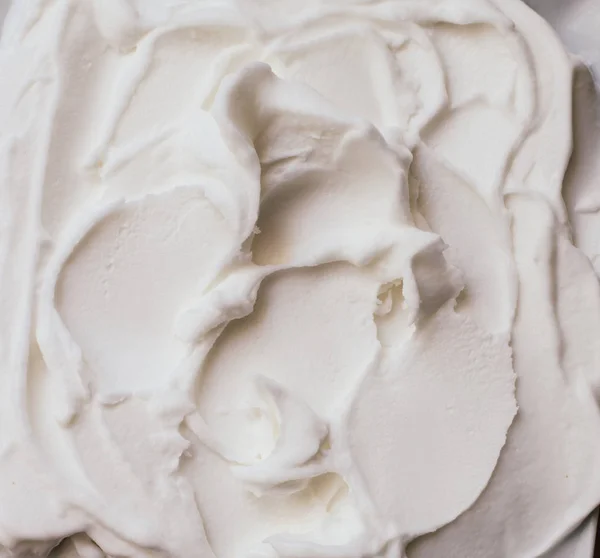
(274, 269)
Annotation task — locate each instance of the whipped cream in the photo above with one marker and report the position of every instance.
(288, 280)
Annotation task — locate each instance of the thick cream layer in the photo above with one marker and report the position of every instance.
(271, 272)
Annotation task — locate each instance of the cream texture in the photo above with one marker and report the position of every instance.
(291, 280)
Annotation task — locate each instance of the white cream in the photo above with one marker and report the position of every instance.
(272, 272)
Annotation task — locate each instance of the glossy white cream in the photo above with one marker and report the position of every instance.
(291, 280)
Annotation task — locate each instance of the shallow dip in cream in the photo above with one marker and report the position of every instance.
(291, 279)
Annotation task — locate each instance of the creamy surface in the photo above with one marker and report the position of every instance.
(291, 280)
